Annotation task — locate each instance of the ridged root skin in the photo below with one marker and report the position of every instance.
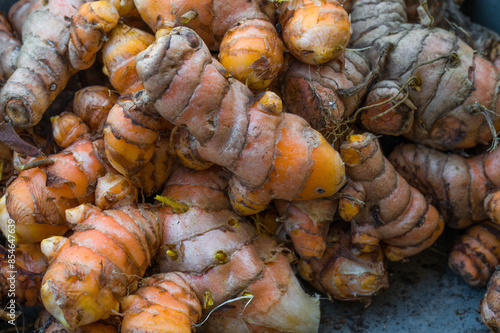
(37, 199)
(457, 185)
(476, 253)
(343, 272)
(306, 223)
(263, 140)
(223, 244)
(390, 210)
(92, 270)
(118, 54)
(47, 57)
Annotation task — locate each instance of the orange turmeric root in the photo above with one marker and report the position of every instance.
(249, 45)
(91, 271)
(475, 254)
(272, 154)
(118, 54)
(41, 74)
(306, 223)
(343, 272)
(382, 206)
(314, 31)
(67, 128)
(37, 198)
(213, 256)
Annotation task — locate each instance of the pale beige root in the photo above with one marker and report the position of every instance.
(452, 90)
(163, 303)
(37, 198)
(259, 143)
(476, 253)
(46, 60)
(100, 263)
(275, 302)
(306, 223)
(490, 305)
(457, 185)
(343, 272)
(9, 50)
(21, 273)
(382, 206)
(326, 96)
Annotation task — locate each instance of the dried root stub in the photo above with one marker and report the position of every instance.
(250, 47)
(315, 31)
(37, 198)
(100, 263)
(476, 253)
(53, 49)
(433, 88)
(458, 186)
(222, 257)
(272, 154)
(343, 272)
(381, 205)
(306, 223)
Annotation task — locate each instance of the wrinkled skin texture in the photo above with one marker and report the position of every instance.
(449, 87)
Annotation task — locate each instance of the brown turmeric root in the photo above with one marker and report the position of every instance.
(250, 48)
(53, 49)
(475, 254)
(92, 105)
(261, 145)
(343, 272)
(457, 185)
(326, 96)
(412, 96)
(315, 32)
(382, 206)
(9, 50)
(92, 270)
(490, 309)
(22, 270)
(37, 198)
(306, 223)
